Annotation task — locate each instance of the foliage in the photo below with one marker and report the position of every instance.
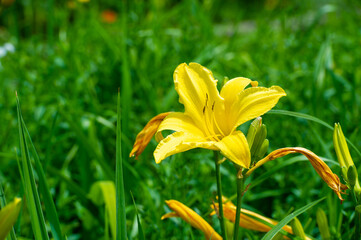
(69, 60)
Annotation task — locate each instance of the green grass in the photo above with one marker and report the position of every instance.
(67, 67)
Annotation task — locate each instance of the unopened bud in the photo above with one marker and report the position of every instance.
(258, 139)
(322, 223)
(263, 149)
(297, 228)
(352, 176)
(252, 131)
(344, 173)
(341, 148)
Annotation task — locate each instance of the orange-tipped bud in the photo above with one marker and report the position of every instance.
(320, 166)
(191, 217)
(144, 137)
(248, 219)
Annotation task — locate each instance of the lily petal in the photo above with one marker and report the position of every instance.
(254, 102)
(233, 87)
(191, 217)
(248, 219)
(230, 92)
(178, 122)
(235, 148)
(180, 142)
(144, 137)
(320, 166)
(196, 88)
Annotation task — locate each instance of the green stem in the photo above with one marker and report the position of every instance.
(357, 235)
(357, 230)
(219, 193)
(239, 204)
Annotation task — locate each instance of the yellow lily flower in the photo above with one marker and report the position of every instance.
(8, 216)
(191, 217)
(248, 219)
(211, 118)
(320, 166)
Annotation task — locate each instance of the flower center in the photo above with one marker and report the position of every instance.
(212, 129)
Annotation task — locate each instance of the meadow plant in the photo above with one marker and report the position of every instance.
(210, 121)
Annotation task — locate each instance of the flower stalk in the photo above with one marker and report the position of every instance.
(219, 194)
(240, 187)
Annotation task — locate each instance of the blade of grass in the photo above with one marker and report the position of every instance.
(140, 228)
(126, 86)
(44, 189)
(31, 192)
(120, 198)
(287, 219)
(313, 119)
(283, 232)
(301, 115)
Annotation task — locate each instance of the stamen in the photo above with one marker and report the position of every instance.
(210, 121)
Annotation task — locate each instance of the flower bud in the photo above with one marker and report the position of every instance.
(263, 149)
(322, 223)
(258, 139)
(340, 144)
(344, 173)
(252, 131)
(297, 228)
(352, 176)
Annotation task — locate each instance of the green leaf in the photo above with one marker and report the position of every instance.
(283, 232)
(44, 189)
(140, 228)
(313, 119)
(120, 197)
(301, 115)
(287, 219)
(31, 192)
(104, 192)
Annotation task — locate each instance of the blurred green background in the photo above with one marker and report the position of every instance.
(67, 59)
